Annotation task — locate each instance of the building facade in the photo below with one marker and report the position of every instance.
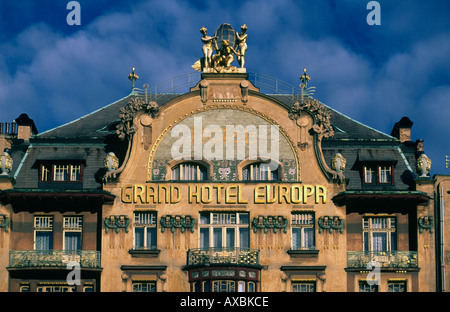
(220, 188)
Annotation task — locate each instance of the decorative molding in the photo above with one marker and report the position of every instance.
(330, 224)
(177, 222)
(425, 223)
(269, 222)
(117, 223)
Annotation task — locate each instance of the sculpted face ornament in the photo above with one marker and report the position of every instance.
(226, 43)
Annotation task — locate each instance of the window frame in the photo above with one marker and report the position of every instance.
(311, 286)
(146, 283)
(152, 225)
(200, 170)
(252, 166)
(377, 176)
(78, 228)
(237, 226)
(310, 224)
(49, 169)
(392, 227)
(39, 228)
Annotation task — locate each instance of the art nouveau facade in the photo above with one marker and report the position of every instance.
(220, 188)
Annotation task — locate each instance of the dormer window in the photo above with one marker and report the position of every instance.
(377, 174)
(189, 172)
(60, 172)
(259, 172)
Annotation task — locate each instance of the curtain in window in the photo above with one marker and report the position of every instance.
(139, 237)
(296, 238)
(217, 236)
(309, 237)
(204, 237)
(151, 238)
(379, 241)
(244, 238)
(72, 241)
(230, 238)
(44, 240)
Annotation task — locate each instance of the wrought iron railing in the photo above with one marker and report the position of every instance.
(207, 256)
(53, 258)
(383, 259)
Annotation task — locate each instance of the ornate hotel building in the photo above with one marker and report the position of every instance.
(222, 187)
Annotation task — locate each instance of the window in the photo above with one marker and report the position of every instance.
(223, 286)
(259, 172)
(43, 232)
(55, 288)
(302, 230)
(60, 172)
(144, 286)
(397, 286)
(307, 286)
(144, 230)
(380, 234)
(220, 229)
(189, 172)
(366, 287)
(381, 174)
(72, 227)
(24, 287)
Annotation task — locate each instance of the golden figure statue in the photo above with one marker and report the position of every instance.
(224, 56)
(207, 47)
(242, 45)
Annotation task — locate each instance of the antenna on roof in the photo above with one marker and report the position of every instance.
(133, 77)
(305, 91)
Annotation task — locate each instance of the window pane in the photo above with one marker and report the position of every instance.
(72, 240)
(296, 238)
(139, 237)
(151, 238)
(243, 218)
(204, 237)
(308, 238)
(44, 240)
(379, 241)
(366, 241)
(230, 237)
(393, 241)
(217, 237)
(244, 237)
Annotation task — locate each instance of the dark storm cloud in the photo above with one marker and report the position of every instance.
(374, 74)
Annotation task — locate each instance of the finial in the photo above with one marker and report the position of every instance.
(133, 77)
(305, 78)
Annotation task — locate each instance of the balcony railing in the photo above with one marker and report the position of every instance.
(53, 258)
(383, 259)
(207, 256)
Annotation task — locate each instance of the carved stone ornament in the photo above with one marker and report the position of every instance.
(425, 223)
(177, 222)
(6, 163)
(330, 224)
(338, 163)
(322, 124)
(116, 223)
(269, 222)
(126, 128)
(111, 162)
(423, 165)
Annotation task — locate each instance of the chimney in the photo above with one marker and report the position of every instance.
(402, 130)
(25, 127)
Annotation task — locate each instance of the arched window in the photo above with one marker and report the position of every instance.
(189, 172)
(259, 172)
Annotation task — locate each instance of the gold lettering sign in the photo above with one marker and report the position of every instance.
(224, 194)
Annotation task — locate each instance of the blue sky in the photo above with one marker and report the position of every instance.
(375, 74)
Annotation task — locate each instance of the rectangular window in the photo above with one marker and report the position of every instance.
(55, 288)
(385, 174)
(144, 286)
(379, 234)
(223, 286)
(302, 230)
(220, 229)
(72, 227)
(381, 174)
(397, 286)
(145, 230)
(60, 173)
(366, 287)
(43, 232)
(307, 286)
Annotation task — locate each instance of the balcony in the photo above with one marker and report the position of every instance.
(227, 256)
(384, 259)
(54, 258)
